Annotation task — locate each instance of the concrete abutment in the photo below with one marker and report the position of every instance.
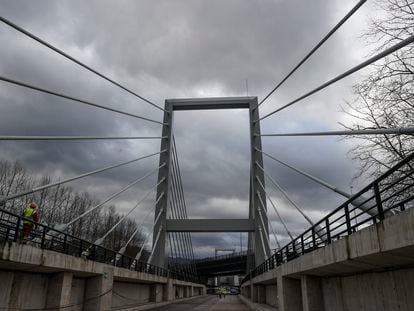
(372, 269)
(31, 279)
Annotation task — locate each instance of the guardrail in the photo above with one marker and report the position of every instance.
(45, 237)
(389, 194)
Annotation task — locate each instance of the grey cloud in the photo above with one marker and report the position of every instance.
(168, 49)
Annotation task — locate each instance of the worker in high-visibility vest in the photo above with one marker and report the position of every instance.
(30, 217)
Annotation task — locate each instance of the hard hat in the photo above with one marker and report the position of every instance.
(33, 205)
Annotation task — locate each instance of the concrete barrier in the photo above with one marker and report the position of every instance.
(33, 278)
(372, 269)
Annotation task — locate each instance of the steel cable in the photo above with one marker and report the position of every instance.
(55, 49)
(39, 89)
(36, 189)
(330, 33)
(362, 65)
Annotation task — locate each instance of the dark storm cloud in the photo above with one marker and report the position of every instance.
(168, 49)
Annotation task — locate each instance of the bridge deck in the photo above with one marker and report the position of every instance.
(210, 303)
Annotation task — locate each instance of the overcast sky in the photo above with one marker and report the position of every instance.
(181, 49)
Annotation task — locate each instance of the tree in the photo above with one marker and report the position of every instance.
(61, 204)
(385, 98)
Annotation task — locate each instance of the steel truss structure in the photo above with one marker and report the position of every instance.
(257, 223)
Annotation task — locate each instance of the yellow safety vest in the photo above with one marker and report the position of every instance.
(28, 213)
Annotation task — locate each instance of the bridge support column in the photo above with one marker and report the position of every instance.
(169, 291)
(159, 249)
(251, 291)
(187, 291)
(255, 297)
(179, 291)
(98, 291)
(59, 290)
(289, 293)
(312, 298)
(258, 240)
(156, 293)
(191, 291)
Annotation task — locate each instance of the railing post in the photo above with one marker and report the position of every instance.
(93, 253)
(3, 207)
(65, 238)
(379, 202)
(17, 229)
(328, 231)
(302, 244)
(42, 241)
(80, 248)
(7, 232)
(347, 219)
(313, 237)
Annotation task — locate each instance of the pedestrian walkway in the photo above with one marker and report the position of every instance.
(207, 303)
(257, 306)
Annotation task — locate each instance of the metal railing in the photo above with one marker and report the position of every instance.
(387, 195)
(45, 237)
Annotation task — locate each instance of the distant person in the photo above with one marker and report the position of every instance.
(31, 217)
(222, 292)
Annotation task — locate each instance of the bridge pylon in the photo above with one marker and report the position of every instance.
(257, 223)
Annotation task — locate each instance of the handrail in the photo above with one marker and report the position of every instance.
(340, 222)
(49, 238)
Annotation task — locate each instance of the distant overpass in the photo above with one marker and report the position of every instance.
(229, 264)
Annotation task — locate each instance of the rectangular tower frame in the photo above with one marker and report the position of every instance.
(258, 245)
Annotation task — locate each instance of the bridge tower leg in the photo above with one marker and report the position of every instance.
(160, 256)
(258, 240)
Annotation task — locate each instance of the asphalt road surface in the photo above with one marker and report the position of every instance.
(207, 303)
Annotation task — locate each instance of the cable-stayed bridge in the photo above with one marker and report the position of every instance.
(368, 238)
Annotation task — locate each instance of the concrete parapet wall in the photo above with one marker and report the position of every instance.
(386, 244)
(41, 279)
(372, 269)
